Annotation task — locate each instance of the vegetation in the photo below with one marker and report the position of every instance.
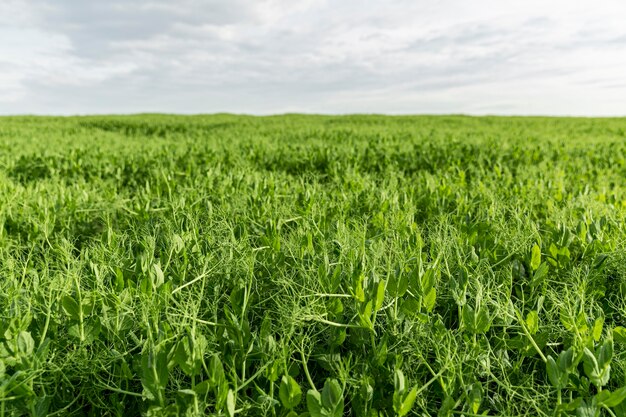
(357, 265)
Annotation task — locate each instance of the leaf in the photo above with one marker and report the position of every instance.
(71, 307)
(380, 295)
(532, 322)
(572, 405)
(289, 392)
(615, 398)
(189, 352)
(183, 356)
(605, 353)
(482, 321)
(540, 274)
(429, 300)
(119, 279)
(202, 388)
(535, 259)
(398, 283)
(331, 393)
(468, 317)
(314, 403)
(586, 410)
(553, 252)
(381, 353)
(581, 322)
(398, 381)
(230, 403)
(598, 375)
(92, 330)
(154, 373)
(88, 303)
(554, 374)
(366, 315)
(410, 307)
(177, 243)
(476, 397)
(599, 261)
(159, 277)
(74, 330)
(619, 334)
(597, 328)
(216, 371)
(25, 343)
(565, 361)
(359, 293)
(408, 402)
(427, 281)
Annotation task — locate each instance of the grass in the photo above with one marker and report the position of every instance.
(356, 265)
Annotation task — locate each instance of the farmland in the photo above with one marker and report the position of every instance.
(275, 266)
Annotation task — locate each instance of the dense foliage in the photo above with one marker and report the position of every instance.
(357, 265)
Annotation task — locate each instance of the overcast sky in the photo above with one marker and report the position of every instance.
(341, 56)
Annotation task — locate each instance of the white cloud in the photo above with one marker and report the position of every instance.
(447, 56)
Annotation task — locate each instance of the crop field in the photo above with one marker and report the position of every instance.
(312, 265)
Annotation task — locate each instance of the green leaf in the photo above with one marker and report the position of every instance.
(598, 375)
(154, 373)
(615, 398)
(572, 405)
(177, 243)
(119, 279)
(468, 317)
(216, 371)
(605, 353)
(92, 330)
(598, 324)
(358, 291)
(619, 334)
(586, 410)
(289, 392)
(565, 361)
(410, 307)
(483, 322)
(407, 402)
(25, 343)
(532, 322)
(230, 403)
(332, 398)
(366, 315)
(159, 277)
(314, 403)
(381, 353)
(535, 259)
(202, 388)
(398, 381)
(429, 300)
(427, 281)
(540, 274)
(380, 295)
(554, 374)
(398, 283)
(71, 307)
(581, 322)
(476, 397)
(189, 352)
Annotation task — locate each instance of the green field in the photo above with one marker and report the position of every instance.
(355, 265)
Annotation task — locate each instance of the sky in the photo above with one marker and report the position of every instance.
(549, 57)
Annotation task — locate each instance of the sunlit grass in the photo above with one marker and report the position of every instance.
(358, 265)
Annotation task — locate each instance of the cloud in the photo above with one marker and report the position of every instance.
(450, 56)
